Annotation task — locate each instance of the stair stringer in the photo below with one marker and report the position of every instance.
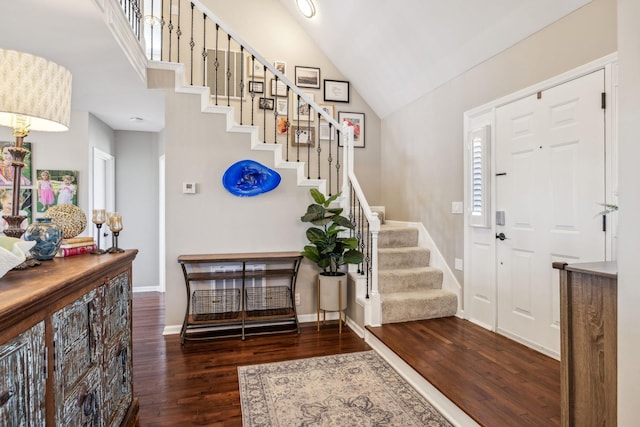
(231, 125)
(449, 281)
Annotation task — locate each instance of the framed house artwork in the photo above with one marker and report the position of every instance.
(302, 110)
(308, 77)
(327, 108)
(356, 120)
(6, 170)
(336, 91)
(282, 106)
(303, 136)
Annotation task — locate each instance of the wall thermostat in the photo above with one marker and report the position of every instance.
(189, 187)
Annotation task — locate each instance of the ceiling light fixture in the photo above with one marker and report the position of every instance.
(307, 8)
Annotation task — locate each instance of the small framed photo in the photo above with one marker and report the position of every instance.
(256, 86)
(303, 136)
(266, 103)
(357, 121)
(254, 69)
(279, 89)
(336, 90)
(282, 106)
(302, 110)
(326, 132)
(280, 66)
(327, 108)
(308, 77)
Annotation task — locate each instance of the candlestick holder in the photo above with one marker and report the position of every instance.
(115, 225)
(99, 217)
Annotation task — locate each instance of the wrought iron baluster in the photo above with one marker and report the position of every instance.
(241, 81)
(252, 86)
(361, 233)
(309, 143)
(162, 22)
(288, 125)
(297, 133)
(368, 260)
(338, 176)
(191, 45)
(275, 114)
(216, 64)
(170, 27)
(264, 110)
(228, 70)
(178, 30)
(204, 49)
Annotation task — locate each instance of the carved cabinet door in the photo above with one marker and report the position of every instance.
(77, 345)
(117, 365)
(22, 379)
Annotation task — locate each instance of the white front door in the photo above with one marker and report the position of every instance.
(550, 178)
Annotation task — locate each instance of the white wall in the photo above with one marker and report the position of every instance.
(629, 197)
(198, 149)
(137, 200)
(422, 143)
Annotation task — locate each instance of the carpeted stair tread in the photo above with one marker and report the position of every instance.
(393, 236)
(418, 305)
(406, 257)
(409, 279)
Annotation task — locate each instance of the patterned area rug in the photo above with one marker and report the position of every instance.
(354, 389)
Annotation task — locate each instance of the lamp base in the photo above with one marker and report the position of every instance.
(15, 222)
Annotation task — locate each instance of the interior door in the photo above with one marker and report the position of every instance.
(103, 191)
(550, 177)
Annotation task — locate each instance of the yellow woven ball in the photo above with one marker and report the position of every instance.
(69, 218)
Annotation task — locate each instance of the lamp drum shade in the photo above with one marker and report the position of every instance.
(36, 89)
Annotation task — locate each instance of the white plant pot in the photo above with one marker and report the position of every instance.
(333, 292)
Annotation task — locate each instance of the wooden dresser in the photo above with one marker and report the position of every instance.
(66, 344)
(588, 349)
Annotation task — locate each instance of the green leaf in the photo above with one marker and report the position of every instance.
(343, 222)
(353, 257)
(318, 197)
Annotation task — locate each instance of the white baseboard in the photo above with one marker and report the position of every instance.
(137, 289)
(439, 401)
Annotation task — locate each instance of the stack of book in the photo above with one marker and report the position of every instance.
(76, 246)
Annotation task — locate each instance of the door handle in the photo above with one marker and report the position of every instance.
(501, 236)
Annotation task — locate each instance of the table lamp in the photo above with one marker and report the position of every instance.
(35, 94)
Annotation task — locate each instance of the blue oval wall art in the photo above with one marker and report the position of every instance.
(248, 178)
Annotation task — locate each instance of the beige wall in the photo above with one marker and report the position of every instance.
(422, 143)
(629, 197)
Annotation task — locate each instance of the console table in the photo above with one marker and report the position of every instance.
(588, 348)
(239, 294)
(66, 343)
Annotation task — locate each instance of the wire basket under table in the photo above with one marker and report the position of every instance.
(268, 301)
(215, 304)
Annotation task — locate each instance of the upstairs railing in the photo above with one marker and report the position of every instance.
(215, 56)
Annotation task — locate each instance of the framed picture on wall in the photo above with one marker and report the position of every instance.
(256, 86)
(62, 183)
(254, 68)
(303, 136)
(302, 110)
(282, 106)
(326, 132)
(278, 88)
(355, 120)
(308, 77)
(266, 103)
(280, 66)
(327, 108)
(336, 91)
(6, 170)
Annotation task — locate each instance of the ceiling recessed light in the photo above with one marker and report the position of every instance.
(306, 7)
(136, 119)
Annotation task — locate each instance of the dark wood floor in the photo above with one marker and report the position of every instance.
(496, 381)
(197, 384)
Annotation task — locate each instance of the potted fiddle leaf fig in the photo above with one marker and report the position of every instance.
(329, 250)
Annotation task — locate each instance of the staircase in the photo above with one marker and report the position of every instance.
(409, 288)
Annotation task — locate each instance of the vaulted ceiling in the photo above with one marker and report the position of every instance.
(391, 52)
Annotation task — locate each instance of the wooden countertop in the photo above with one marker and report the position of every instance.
(24, 292)
(604, 268)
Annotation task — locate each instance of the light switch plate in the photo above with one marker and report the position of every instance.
(189, 187)
(456, 207)
(458, 264)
